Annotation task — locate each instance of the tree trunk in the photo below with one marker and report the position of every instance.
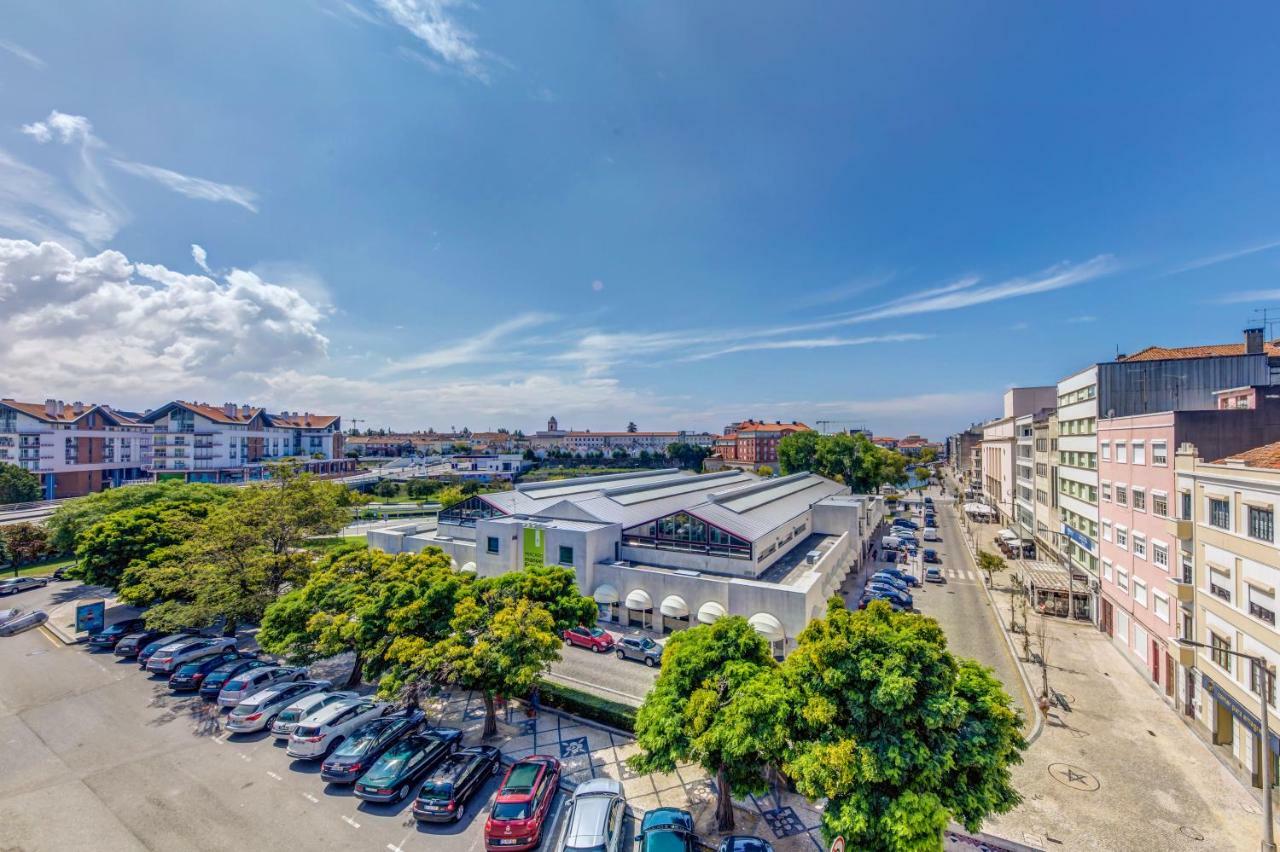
(490, 717)
(724, 803)
(353, 680)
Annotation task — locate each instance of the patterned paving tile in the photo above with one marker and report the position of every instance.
(783, 822)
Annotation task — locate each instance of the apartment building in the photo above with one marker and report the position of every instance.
(74, 448)
(962, 452)
(999, 448)
(1044, 427)
(632, 443)
(1024, 477)
(1226, 519)
(755, 442)
(200, 442)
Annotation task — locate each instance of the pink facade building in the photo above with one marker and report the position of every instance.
(1141, 561)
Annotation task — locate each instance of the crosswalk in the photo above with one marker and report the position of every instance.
(958, 573)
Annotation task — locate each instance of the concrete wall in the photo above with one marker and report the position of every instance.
(1020, 401)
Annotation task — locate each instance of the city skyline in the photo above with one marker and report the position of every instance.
(423, 213)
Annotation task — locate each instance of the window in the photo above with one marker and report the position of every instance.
(1122, 454)
(1160, 603)
(1220, 583)
(491, 546)
(1139, 452)
(1262, 604)
(1219, 513)
(1106, 491)
(1159, 453)
(1122, 537)
(1219, 647)
(1139, 499)
(1160, 555)
(1106, 531)
(1107, 573)
(566, 555)
(1106, 451)
(1256, 677)
(1122, 579)
(1186, 505)
(1262, 523)
(1160, 504)
(1122, 494)
(1140, 545)
(1140, 591)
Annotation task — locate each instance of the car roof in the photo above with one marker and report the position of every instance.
(522, 777)
(591, 803)
(326, 714)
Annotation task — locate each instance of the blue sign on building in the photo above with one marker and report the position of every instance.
(1078, 537)
(1242, 714)
(91, 617)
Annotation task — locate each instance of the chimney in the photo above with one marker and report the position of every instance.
(77, 408)
(229, 409)
(51, 407)
(1253, 341)
(244, 411)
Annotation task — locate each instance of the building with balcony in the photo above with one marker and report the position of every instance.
(1044, 428)
(74, 448)
(666, 549)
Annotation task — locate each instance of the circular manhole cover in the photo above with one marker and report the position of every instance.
(1188, 831)
(1074, 777)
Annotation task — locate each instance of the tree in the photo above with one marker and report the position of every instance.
(18, 485)
(764, 470)
(358, 599)
(554, 587)
(989, 563)
(387, 488)
(719, 701)
(798, 451)
(450, 495)
(70, 519)
(923, 474)
(689, 456)
(109, 546)
(496, 646)
(631, 427)
(24, 542)
(928, 455)
(895, 732)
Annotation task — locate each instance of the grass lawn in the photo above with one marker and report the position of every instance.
(44, 566)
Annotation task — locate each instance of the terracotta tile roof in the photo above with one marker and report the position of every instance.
(216, 412)
(64, 414)
(304, 421)
(1217, 350)
(1268, 455)
(761, 426)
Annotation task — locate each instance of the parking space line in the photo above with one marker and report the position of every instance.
(310, 798)
(273, 775)
(349, 821)
(394, 848)
(53, 640)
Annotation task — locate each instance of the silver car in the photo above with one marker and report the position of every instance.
(253, 681)
(21, 621)
(596, 817)
(259, 710)
(168, 659)
(302, 708)
(13, 585)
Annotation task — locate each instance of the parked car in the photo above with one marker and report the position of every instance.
(889, 579)
(7, 615)
(928, 501)
(190, 675)
(744, 843)
(444, 794)
(931, 534)
(890, 542)
(253, 681)
(319, 734)
(591, 638)
(23, 621)
(909, 579)
(259, 710)
(130, 644)
(13, 585)
(396, 772)
(144, 656)
(168, 659)
(302, 708)
(931, 556)
(885, 590)
(366, 744)
(63, 573)
(108, 636)
(869, 596)
(667, 830)
(595, 817)
(933, 574)
(216, 679)
(521, 804)
(639, 648)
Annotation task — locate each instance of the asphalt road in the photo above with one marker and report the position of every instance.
(94, 754)
(624, 681)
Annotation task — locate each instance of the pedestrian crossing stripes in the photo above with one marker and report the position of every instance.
(959, 573)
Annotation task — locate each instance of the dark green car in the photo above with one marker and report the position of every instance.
(667, 830)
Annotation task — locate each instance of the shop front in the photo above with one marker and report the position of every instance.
(1236, 728)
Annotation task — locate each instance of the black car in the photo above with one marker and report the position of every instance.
(932, 556)
(218, 677)
(443, 796)
(131, 644)
(191, 675)
(110, 635)
(394, 775)
(744, 843)
(367, 743)
(63, 573)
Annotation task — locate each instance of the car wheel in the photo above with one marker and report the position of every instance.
(597, 649)
(566, 641)
(648, 661)
(402, 793)
(457, 815)
(621, 656)
(497, 766)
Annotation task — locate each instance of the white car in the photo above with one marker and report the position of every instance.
(596, 818)
(931, 534)
(168, 658)
(253, 681)
(322, 732)
(302, 708)
(259, 710)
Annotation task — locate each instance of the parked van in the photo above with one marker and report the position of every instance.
(891, 542)
(931, 534)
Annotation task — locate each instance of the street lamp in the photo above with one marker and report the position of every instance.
(1268, 834)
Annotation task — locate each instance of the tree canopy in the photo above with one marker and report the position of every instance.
(687, 455)
(851, 458)
(18, 485)
(24, 542)
(70, 519)
(107, 547)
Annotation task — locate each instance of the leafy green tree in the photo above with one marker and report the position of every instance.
(989, 563)
(554, 587)
(450, 495)
(360, 599)
(24, 542)
(719, 701)
(387, 488)
(18, 485)
(923, 474)
(928, 454)
(421, 489)
(108, 547)
(632, 428)
(798, 451)
(67, 522)
(496, 646)
(897, 734)
(689, 456)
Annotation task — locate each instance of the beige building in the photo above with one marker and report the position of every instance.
(1045, 458)
(1225, 583)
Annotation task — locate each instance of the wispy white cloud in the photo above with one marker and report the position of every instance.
(200, 256)
(1250, 296)
(22, 53)
(1083, 318)
(492, 345)
(807, 343)
(1213, 260)
(429, 21)
(34, 204)
(842, 292)
(192, 187)
(597, 285)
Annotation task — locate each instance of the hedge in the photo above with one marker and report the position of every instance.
(587, 706)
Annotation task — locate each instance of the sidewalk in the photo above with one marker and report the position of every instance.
(1113, 768)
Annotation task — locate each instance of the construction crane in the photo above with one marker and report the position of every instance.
(355, 420)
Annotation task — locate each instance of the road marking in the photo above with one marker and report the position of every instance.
(48, 634)
(394, 848)
(349, 821)
(273, 775)
(246, 758)
(310, 798)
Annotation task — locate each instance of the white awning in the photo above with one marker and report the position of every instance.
(639, 599)
(674, 606)
(1008, 535)
(978, 509)
(469, 568)
(710, 611)
(767, 626)
(605, 594)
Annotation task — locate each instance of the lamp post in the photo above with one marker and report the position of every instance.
(1268, 831)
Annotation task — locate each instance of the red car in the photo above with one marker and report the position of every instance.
(591, 638)
(522, 804)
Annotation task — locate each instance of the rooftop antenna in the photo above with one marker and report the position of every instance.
(1267, 321)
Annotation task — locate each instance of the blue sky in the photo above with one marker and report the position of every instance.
(425, 213)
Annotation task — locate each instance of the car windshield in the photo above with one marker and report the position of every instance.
(599, 848)
(237, 684)
(389, 765)
(243, 709)
(511, 810)
(306, 731)
(647, 643)
(665, 839)
(597, 632)
(436, 790)
(189, 668)
(357, 746)
(289, 716)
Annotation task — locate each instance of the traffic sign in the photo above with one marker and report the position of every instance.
(837, 845)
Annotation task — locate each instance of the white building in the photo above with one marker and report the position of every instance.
(485, 467)
(74, 448)
(1078, 468)
(664, 549)
(633, 443)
